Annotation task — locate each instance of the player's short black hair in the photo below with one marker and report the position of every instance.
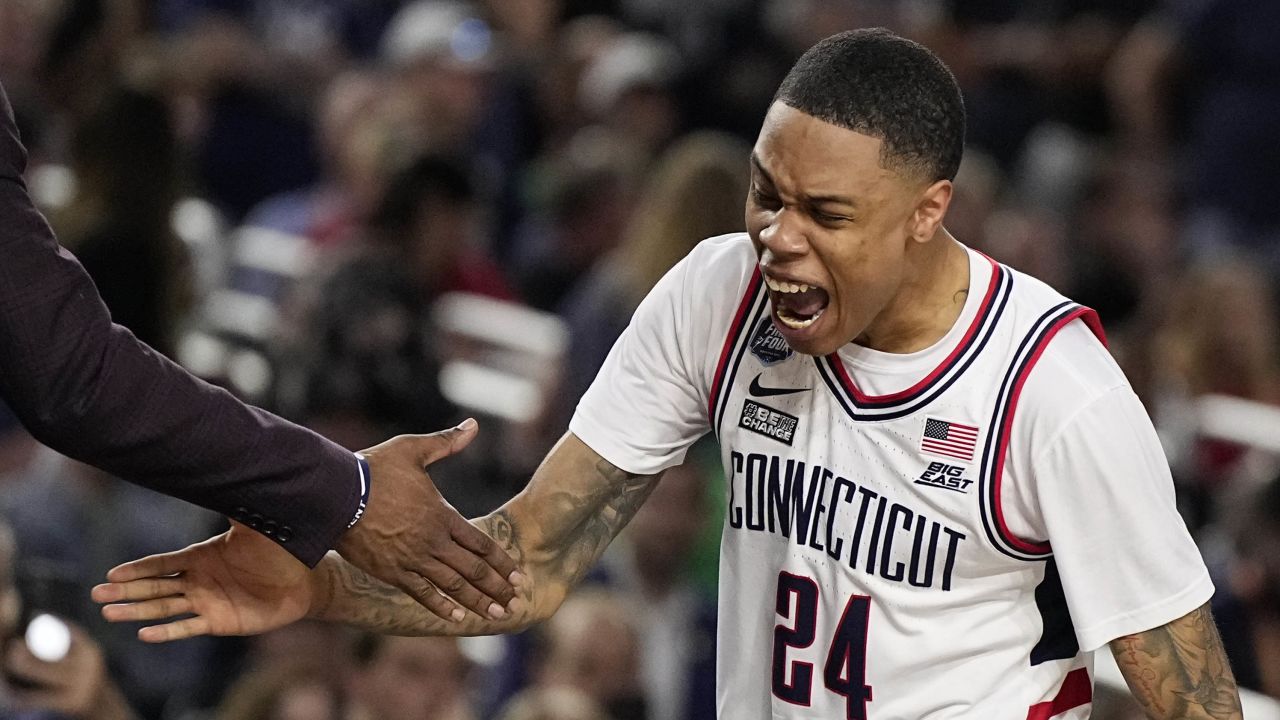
(878, 84)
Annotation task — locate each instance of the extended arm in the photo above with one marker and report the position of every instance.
(90, 390)
(240, 583)
(555, 529)
(1180, 670)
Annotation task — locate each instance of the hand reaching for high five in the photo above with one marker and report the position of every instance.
(414, 540)
(238, 583)
(241, 583)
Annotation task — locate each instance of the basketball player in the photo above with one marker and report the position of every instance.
(943, 494)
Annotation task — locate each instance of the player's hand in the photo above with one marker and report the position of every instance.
(238, 583)
(410, 537)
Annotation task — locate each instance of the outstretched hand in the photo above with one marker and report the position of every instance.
(238, 583)
(411, 538)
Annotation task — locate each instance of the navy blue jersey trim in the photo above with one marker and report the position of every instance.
(1042, 329)
(945, 379)
(740, 349)
(1058, 633)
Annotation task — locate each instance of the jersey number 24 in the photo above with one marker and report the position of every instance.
(845, 671)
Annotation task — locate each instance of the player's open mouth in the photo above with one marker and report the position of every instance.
(797, 305)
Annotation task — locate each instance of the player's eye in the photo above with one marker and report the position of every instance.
(763, 199)
(829, 219)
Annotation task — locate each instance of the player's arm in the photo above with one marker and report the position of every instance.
(1180, 670)
(556, 530)
(239, 583)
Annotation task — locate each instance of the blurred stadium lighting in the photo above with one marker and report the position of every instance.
(1240, 421)
(491, 392)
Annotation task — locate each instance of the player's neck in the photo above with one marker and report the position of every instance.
(929, 302)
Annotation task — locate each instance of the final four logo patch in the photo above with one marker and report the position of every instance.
(767, 344)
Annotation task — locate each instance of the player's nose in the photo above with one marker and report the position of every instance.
(784, 237)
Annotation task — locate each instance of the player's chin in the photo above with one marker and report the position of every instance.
(812, 336)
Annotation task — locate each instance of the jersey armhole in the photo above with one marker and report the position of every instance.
(735, 344)
(996, 451)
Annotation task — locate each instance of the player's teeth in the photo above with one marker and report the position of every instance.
(786, 287)
(797, 324)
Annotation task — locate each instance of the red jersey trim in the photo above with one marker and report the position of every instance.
(1076, 690)
(851, 387)
(1090, 319)
(731, 340)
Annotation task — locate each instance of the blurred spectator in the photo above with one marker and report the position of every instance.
(309, 657)
(557, 703)
(1125, 239)
(283, 692)
(1025, 64)
(676, 619)
(593, 647)
(119, 222)
(1213, 62)
(583, 197)
(85, 51)
(1217, 305)
(629, 87)
(402, 678)
(246, 74)
(696, 191)
(317, 30)
(75, 687)
(1027, 239)
(1247, 605)
(368, 348)
(16, 444)
(352, 145)
(978, 190)
(1223, 305)
(78, 522)
(24, 38)
(576, 46)
(442, 56)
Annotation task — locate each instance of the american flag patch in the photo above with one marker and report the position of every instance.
(949, 439)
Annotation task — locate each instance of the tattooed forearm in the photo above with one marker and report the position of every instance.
(579, 526)
(555, 530)
(502, 529)
(344, 593)
(1180, 670)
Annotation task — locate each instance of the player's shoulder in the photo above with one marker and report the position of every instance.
(702, 292)
(718, 270)
(1067, 363)
(726, 257)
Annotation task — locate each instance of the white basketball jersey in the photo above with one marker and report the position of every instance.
(933, 535)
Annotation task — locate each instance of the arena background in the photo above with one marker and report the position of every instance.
(379, 216)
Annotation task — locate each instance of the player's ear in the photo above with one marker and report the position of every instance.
(930, 210)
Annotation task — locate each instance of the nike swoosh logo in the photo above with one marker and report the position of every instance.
(758, 390)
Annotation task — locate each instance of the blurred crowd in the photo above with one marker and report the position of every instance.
(382, 216)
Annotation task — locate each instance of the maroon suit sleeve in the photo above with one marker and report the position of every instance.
(89, 389)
